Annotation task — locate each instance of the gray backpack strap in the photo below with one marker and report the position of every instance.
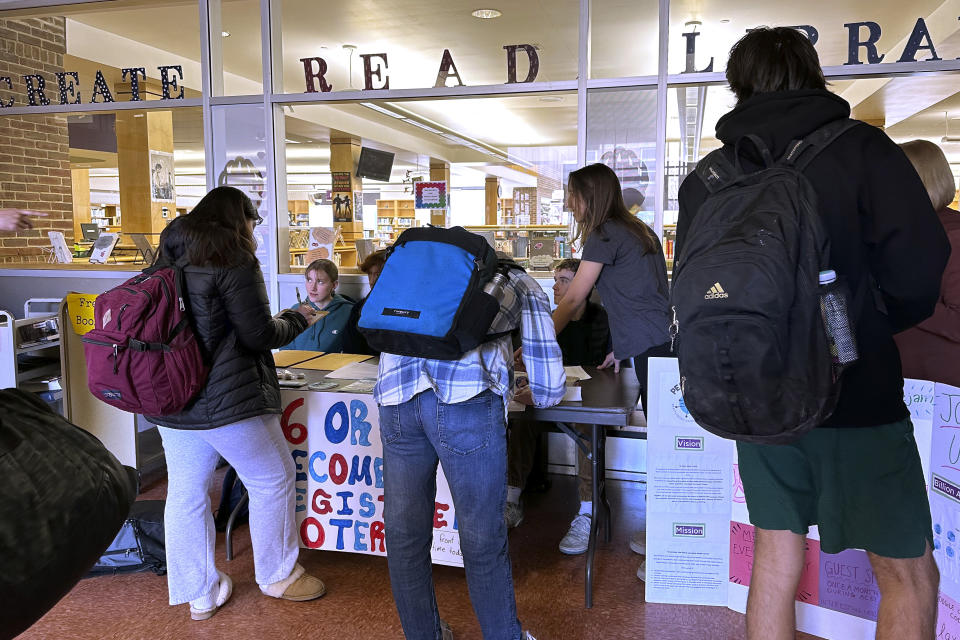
(801, 153)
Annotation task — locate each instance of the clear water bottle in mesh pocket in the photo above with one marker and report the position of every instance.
(836, 321)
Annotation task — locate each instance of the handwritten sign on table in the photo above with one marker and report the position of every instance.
(335, 443)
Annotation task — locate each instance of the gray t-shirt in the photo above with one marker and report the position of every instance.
(633, 287)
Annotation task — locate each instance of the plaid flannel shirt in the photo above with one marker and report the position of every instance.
(489, 366)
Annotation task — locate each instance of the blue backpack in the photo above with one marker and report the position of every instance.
(429, 300)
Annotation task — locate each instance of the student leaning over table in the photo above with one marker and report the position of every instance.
(623, 257)
(454, 412)
(234, 416)
(584, 342)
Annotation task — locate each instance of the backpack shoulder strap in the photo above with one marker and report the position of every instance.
(801, 153)
(716, 171)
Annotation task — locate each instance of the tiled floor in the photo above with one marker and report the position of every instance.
(359, 605)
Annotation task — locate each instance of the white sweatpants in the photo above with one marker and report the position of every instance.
(257, 450)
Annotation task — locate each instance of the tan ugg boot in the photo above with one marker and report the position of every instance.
(299, 586)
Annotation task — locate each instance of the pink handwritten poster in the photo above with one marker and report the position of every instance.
(741, 562)
(948, 618)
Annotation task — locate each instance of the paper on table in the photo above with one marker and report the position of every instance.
(572, 394)
(359, 386)
(334, 361)
(355, 371)
(577, 373)
(293, 356)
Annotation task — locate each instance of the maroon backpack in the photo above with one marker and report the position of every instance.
(142, 354)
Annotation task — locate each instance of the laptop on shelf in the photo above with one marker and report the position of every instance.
(89, 231)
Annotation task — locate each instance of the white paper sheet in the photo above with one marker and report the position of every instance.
(355, 371)
(572, 394)
(576, 372)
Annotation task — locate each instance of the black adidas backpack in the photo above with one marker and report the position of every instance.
(755, 362)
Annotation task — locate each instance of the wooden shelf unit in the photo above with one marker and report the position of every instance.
(106, 217)
(299, 212)
(506, 211)
(393, 216)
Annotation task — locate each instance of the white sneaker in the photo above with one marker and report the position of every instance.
(638, 543)
(578, 536)
(642, 571)
(204, 608)
(513, 514)
(528, 636)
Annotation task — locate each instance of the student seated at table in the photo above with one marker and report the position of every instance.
(353, 341)
(584, 341)
(326, 334)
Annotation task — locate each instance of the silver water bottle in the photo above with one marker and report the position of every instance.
(496, 284)
(836, 321)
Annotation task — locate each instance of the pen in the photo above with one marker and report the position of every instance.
(299, 301)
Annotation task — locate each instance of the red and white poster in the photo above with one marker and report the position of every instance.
(335, 442)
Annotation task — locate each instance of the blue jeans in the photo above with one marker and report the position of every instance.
(469, 440)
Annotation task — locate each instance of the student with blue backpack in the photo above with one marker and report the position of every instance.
(442, 312)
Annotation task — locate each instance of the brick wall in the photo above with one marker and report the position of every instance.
(34, 149)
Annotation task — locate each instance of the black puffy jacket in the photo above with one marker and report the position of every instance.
(231, 316)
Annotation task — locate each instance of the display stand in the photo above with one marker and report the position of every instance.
(116, 429)
(700, 542)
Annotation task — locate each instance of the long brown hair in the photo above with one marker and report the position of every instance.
(217, 231)
(599, 189)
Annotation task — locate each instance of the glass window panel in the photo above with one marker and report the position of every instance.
(414, 35)
(240, 160)
(235, 30)
(721, 24)
(127, 172)
(105, 37)
(505, 179)
(622, 133)
(623, 38)
(907, 108)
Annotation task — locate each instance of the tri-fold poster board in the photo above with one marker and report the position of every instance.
(699, 537)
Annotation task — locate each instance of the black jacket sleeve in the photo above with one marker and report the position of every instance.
(906, 244)
(247, 307)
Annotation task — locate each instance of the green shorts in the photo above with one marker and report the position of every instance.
(863, 487)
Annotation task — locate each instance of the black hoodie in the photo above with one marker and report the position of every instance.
(879, 219)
